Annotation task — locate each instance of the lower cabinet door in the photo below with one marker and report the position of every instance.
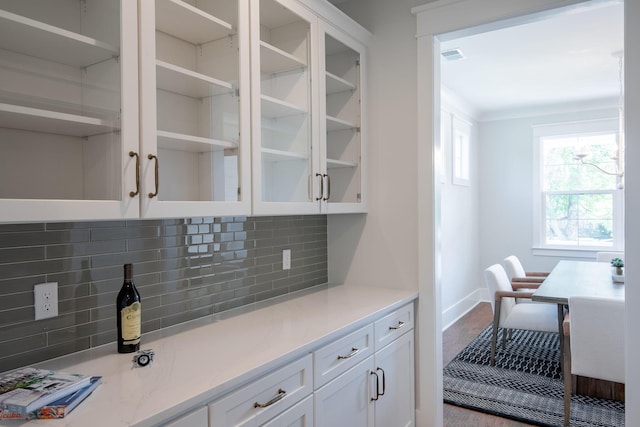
(346, 401)
(396, 407)
(300, 415)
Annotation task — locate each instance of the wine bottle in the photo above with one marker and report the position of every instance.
(128, 314)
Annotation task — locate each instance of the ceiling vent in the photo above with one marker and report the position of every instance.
(452, 54)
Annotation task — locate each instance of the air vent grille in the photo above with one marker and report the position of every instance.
(452, 54)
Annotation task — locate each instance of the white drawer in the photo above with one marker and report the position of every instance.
(263, 399)
(393, 325)
(300, 415)
(342, 354)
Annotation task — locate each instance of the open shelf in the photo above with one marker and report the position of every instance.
(270, 155)
(186, 82)
(337, 84)
(38, 120)
(274, 60)
(334, 123)
(34, 38)
(275, 108)
(171, 16)
(183, 142)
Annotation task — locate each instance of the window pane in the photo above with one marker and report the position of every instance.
(579, 219)
(562, 172)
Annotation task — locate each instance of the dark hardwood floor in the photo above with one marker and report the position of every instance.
(454, 339)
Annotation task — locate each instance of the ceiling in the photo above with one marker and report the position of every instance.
(563, 59)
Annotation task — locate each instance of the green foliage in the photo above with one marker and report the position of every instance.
(617, 262)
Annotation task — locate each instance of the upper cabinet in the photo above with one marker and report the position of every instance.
(284, 75)
(113, 109)
(68, 109)
(341, 141)
(194, 86)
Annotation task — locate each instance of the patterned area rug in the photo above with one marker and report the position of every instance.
(524, 385)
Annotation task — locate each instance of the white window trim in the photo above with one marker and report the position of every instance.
(568, 129)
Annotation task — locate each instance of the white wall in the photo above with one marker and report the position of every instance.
(506, 187)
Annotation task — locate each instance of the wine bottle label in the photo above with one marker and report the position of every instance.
(130, 317)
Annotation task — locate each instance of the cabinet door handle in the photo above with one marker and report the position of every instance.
(377, 396)
(353, 352)
(328, 187)
(400, 325)
(321, 187)
(152, 157)
(281, 394)
(135, 193)
(384, 382)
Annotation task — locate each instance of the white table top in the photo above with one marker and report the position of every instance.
(586, 278)
(212, 356)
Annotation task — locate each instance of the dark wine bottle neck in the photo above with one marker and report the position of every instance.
(128, 273)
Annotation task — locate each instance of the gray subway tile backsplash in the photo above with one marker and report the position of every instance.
(183, 268)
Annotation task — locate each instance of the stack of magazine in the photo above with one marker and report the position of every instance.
(30, 393)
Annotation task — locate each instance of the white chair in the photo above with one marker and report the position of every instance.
(509, 314)
(516, 272)
(608, 256)
(594, 342)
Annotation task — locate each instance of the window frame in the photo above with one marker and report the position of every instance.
(568, 129)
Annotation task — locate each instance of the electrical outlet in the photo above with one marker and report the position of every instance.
(45, 298)
(286, 259)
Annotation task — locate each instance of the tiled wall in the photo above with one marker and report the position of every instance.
(183, 268)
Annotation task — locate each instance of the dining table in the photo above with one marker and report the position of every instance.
(577, 278)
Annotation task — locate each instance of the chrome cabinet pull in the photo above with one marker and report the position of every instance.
(321, 187)
(377, 396)
(328, 187)
(353, 352)
(384, 381)
(151, 157)
(400, 325)
(281, 394)
(135, 193)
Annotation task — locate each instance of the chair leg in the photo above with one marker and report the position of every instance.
(494, 336)
(567, 380)
(505, 332)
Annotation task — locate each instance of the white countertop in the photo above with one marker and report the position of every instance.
(209, 357)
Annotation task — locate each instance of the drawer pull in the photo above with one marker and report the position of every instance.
(278, 397)
(400, 325)
(353, 352)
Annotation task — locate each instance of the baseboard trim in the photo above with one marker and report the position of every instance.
(462, 307)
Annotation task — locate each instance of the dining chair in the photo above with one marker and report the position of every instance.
(608, 256)
(593, 342)
(516, 272)
(508, 313)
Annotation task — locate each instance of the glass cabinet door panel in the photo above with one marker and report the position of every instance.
(342, 122)
(285, 105)
(197, 100)
(60, 100)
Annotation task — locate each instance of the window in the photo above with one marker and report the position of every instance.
(577, 206)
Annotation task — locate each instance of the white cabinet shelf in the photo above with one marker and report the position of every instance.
(197, 144)
(337, 84)
(41, 40)
(38, 120)
(275, 60)
(275, 108)
(337, 164)
(190, 83)
(334, 123)
(171, 16)
(271, 155)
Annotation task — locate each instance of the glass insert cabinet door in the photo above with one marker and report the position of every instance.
(342, 186)
(68, 109)
(285, 157)
(194, 83)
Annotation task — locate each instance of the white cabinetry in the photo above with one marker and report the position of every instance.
(379, 391)
(68, 109)
(194, 85)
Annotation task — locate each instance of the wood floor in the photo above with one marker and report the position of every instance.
(455, 338)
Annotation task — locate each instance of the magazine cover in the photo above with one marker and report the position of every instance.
(24, 390)
(63, 406)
